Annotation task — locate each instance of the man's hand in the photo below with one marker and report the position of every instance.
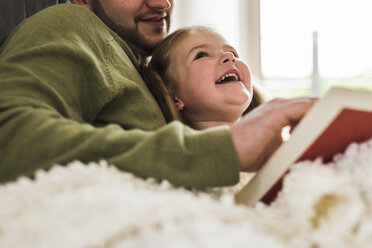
(258, 134)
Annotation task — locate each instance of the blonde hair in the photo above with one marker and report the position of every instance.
(159, 79)
(156, 73)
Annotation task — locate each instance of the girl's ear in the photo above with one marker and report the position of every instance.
(179, 103)
(84, 3)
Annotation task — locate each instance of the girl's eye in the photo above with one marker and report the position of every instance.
(200, 55)
(235, 54)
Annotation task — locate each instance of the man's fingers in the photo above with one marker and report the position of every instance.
(255, 135)
(297, 108)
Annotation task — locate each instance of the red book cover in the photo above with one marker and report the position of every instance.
(348, 127)
(341, 117)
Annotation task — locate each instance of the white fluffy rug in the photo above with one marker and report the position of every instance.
(96, 205)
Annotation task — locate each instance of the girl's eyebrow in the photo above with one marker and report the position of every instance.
(205, 46)
(196, 48)
(228, 47)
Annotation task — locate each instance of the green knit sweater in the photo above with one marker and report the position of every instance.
(70, 90)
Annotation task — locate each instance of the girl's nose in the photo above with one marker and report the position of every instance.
(227, 57)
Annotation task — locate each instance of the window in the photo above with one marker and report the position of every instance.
(213, 13)
(344, 43)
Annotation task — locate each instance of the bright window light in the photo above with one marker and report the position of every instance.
(344, 37)
(217, 14)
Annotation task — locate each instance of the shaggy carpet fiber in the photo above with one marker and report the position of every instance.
(96, 205)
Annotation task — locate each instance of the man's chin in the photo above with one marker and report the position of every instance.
(144, 42)
(149, 45)
(152, 39)
(151, 34)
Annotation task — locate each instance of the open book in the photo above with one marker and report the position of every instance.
(341, 117)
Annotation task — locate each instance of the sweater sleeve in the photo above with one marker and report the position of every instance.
(63, 99)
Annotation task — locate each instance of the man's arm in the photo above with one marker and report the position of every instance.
(70, 91)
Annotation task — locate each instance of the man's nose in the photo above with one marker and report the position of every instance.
(159, 4)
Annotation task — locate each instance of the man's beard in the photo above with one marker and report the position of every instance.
(138, 43)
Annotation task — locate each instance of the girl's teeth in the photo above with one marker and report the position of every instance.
(228, 75)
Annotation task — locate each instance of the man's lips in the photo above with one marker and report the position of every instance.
(157, 21)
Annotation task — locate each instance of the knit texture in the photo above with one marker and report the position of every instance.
(70, 90)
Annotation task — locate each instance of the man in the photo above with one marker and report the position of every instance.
(70, 90)
(142, 24)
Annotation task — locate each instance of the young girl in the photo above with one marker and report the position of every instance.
(203, 81)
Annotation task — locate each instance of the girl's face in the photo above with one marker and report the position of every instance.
(210, 79)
